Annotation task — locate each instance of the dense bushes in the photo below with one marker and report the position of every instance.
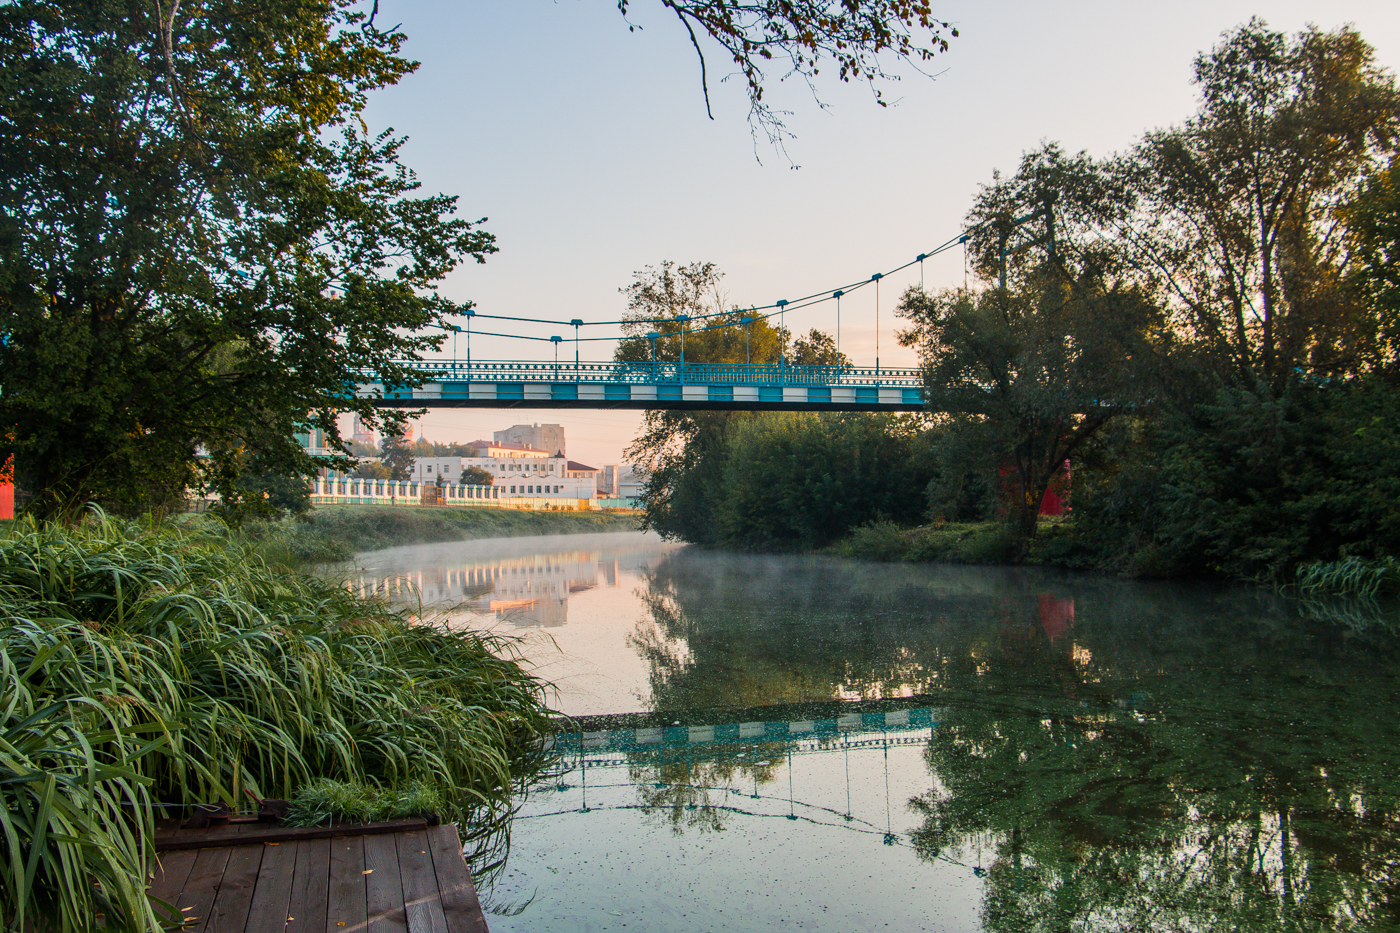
(1250, 486)
(141, 668)
(795, 481)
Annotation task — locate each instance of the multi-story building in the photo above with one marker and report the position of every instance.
(518, 473)
(508, 450)
(607, 480)
(546, 437)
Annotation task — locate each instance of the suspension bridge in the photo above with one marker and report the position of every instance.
(461, 382)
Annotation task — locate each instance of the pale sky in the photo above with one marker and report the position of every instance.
(589, 149)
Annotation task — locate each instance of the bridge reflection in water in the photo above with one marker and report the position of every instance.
(712, 774)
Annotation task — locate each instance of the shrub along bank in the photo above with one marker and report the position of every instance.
(145, 667)
(338, 532)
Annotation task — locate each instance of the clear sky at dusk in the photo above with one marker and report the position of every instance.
(589, 149)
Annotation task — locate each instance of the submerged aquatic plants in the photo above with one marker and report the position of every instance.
(143, 668)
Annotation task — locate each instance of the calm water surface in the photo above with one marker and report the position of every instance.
(789, 743)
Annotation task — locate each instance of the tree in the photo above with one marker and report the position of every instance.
(1239, 224)
(818, 349)
(1373, 221)
(199, 244)
(855, 35)
(398, 457)
(1035, 369)
(802, 481)
(476, 476)
(373, 469)
(684, 306)
(267, 495)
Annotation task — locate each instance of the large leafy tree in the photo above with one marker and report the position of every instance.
(199, 243)
(685, 307)
(1240, 222)
(1034, 368)
(1373, 221)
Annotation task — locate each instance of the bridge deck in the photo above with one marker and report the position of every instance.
(688, 386)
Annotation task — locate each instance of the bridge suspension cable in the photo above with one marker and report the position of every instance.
(749, 314)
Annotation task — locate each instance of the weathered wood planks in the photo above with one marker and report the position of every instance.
(388, 882)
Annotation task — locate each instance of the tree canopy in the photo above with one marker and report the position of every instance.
(1241, 224)
(857, 36)
(201, 244)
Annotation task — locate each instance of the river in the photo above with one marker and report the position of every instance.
(800, 743)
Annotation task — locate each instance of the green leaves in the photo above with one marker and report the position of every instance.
(200, 245)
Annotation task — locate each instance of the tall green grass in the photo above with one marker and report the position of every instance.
(144, 667)
(1354, 576)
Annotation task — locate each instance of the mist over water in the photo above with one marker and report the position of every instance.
(805, 743)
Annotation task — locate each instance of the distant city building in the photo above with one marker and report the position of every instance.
(547, 437)
(508, 450)
(519, 473)
(607, 480)
(361, 433)
(629, 482)
(313, 440)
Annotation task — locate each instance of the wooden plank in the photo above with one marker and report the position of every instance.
(249, 833)
(195, 902)
(310, 887)
(230, 911)
(460, 906)
(345, 908)
(169, 877)
(422, 902)
(272, 894)
(383, 887)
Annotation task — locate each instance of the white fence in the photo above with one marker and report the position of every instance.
(355, 491)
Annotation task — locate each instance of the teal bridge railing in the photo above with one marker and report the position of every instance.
(661, 385)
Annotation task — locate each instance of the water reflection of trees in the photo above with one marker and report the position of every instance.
(684, 793)
(1162, 758)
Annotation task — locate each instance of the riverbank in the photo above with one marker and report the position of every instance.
(989, 543)
(181, 665)
(1056, 545)
(333, 533)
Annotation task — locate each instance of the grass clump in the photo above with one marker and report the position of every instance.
(1354, 576)
(143, 667)
(335, 533)
(326, 800)
(969, 543)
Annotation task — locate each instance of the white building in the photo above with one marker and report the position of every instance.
(546, 437)
(518, 473)
(629, 482)
(508, 450)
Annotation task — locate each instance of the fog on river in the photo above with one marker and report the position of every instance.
(792, 742)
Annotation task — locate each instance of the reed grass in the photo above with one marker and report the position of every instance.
(144, 667)
(1354, 576)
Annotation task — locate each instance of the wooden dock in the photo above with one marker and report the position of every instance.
(261, 878)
